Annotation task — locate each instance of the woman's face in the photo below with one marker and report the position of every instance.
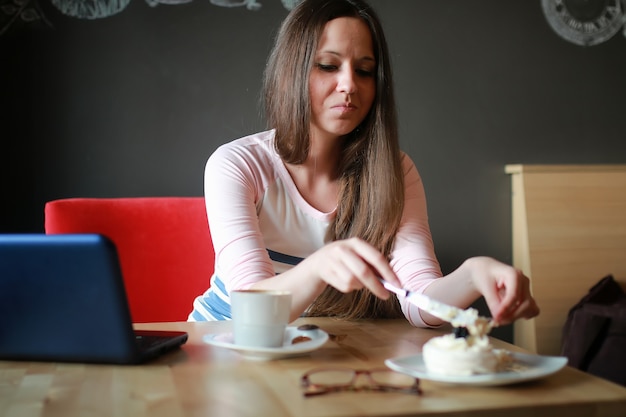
(342, 83)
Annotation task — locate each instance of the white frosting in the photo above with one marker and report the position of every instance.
(474, 354)
(479, 327)
(450, 355)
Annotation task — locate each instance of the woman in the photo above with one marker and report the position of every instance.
(326, 204)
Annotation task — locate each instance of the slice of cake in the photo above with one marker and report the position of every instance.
(463, 352)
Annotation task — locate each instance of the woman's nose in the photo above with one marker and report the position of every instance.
(346, 83)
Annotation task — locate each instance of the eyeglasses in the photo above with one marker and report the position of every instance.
(326, 380)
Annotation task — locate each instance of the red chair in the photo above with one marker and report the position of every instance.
(163, 243)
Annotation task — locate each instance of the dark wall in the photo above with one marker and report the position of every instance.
(133, 104)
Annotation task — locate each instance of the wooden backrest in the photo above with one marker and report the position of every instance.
(163, 243)
(569, 231)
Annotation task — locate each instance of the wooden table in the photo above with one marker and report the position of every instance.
(202, 380)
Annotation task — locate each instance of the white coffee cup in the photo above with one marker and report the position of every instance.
(260, 317)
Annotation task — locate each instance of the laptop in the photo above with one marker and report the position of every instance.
(62, 299)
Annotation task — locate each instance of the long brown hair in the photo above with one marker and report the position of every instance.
(371, 186)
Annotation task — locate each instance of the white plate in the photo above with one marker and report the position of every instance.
(287, 350)
(526, 368)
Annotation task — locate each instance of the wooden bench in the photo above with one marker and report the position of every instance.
(569, 231)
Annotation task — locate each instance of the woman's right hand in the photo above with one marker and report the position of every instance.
(346, 265)
(352, 264)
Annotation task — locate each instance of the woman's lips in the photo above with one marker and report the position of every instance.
(345, 107)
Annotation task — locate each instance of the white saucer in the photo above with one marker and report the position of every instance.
(526, 368)
(287, 350)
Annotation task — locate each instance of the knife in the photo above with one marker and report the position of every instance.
(457, 316)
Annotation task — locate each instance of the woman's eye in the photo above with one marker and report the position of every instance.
(326, 67)
(361, 72)
(365, 72)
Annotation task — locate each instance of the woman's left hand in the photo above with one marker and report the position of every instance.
(506, 290)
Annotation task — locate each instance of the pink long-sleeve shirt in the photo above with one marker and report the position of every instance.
(262, 226)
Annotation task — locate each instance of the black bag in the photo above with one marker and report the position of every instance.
(594, 335)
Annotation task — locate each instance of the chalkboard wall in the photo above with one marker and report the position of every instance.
(133, 104)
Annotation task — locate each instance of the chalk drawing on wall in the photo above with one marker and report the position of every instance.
(20, 14)
(250, 4)
(90, 9)
(585, 22)
(290, 4)
(155, 3)
(97, 9)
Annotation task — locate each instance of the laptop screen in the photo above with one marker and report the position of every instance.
(62, 298)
